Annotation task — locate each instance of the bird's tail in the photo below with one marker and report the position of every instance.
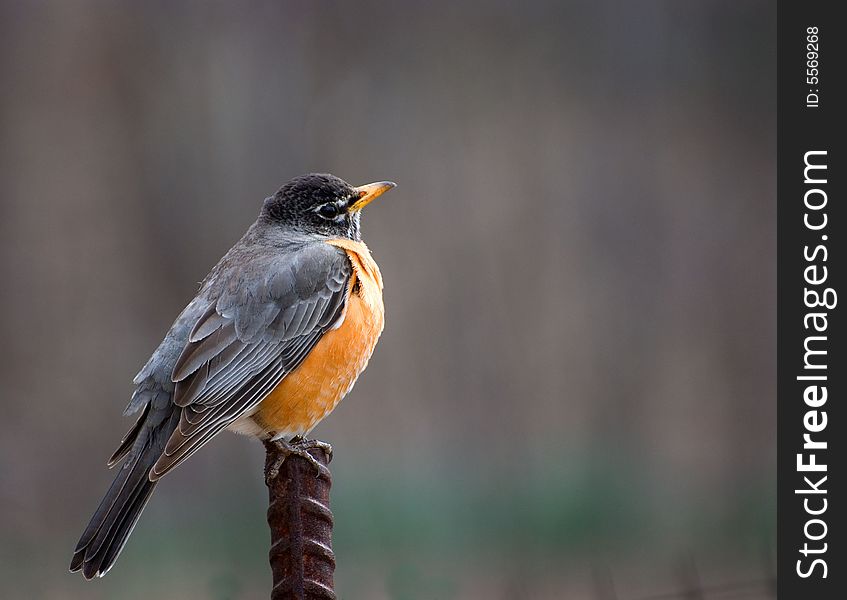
(109, 528)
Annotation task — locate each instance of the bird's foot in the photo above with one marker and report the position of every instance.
(298, 446)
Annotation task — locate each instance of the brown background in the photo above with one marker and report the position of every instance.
(576, 381)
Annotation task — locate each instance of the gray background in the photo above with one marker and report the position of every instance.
(576, 381)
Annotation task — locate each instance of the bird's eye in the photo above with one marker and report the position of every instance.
(328, 211)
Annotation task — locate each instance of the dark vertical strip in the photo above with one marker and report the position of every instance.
(812, 66)
(300, 520)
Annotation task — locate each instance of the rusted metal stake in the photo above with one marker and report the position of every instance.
(301, 555)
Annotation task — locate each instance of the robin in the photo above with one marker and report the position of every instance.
(277, 335)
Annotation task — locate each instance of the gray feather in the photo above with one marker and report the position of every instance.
(258, 314)
(265, 326)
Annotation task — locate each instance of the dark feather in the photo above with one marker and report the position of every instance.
(106, 533)
(187, 390)
(207, 325)
(181, 445)
(129, 438)
(197, 353)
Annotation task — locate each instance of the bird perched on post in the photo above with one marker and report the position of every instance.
(277, 334)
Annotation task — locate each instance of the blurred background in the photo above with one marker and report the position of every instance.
(574, 393)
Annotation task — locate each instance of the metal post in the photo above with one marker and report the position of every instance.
(301, 528)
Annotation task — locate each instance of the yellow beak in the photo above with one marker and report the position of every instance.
(370, 192)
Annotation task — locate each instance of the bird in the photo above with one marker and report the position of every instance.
(276, 336)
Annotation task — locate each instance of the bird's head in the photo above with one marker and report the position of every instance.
(321, 203)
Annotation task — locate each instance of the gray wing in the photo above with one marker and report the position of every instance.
(264, 322)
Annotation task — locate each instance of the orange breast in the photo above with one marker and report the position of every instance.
(311, 392)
